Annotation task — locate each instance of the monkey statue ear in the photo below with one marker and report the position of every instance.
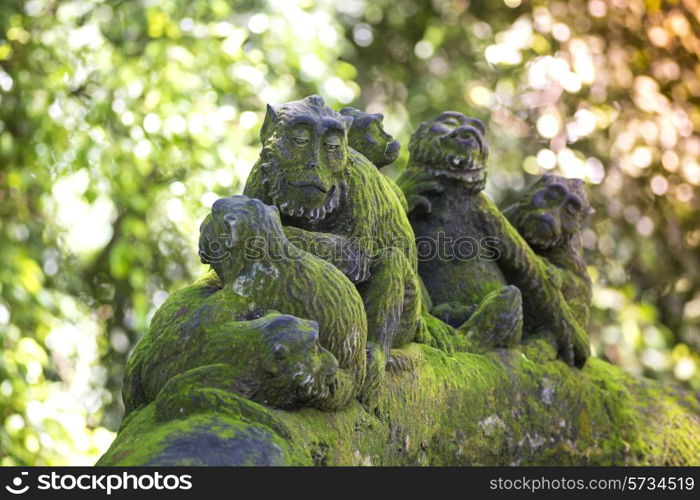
(421, 128)
(316, 100)
(347, 121)
(477, 124)
(271, 117)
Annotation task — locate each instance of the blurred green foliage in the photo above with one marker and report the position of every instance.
(121, 122)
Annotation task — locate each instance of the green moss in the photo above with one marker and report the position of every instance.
(506, 407)
(274, 359)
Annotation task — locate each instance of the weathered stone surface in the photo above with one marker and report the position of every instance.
(505, 407)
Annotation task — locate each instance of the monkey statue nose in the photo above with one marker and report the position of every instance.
(547, 224)
(311, 164)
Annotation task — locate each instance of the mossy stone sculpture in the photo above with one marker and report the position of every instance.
(263, 361)
(540, 253)
(443, 185)
(258, 270)
(332, 197)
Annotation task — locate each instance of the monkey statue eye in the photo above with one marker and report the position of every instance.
(573, 207)
(300, 137)
(540, 200)
(555, 193)
(280, 351)
(451, 122)
(332, 143)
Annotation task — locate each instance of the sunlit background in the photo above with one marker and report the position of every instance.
(122, 122)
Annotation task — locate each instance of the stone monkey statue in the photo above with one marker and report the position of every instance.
(228, 326)
(333, 198)
(443, 185)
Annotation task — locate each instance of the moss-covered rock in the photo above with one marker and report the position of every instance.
(507, 407)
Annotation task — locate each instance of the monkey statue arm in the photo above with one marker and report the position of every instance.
(540, 290)
(344, 253)
(415, 185)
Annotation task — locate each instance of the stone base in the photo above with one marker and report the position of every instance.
(508, 407)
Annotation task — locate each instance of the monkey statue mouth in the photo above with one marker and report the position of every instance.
(317, 385)
(307, 200)
(460, 168)
(391, 152)
(540, 234)
(467, 166)
(309, 186)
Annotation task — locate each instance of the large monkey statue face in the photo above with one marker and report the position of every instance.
(551, 212)
(453, 146)
(304, 157)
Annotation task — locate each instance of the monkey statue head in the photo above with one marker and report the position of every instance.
(451, 146)
(367, 136)
(550, 214)
(305, 157)
(231, 225)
